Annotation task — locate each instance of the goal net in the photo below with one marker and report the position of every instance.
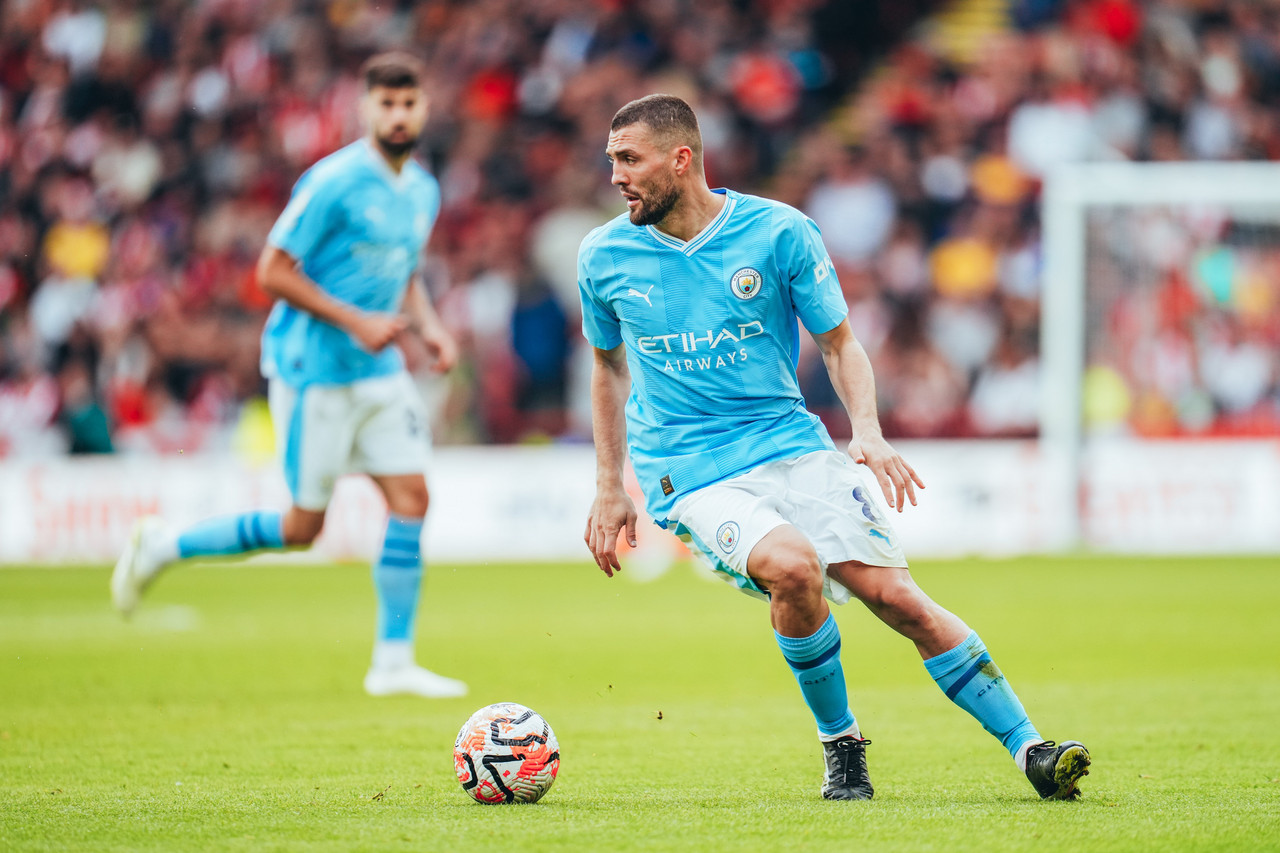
(1161, 353)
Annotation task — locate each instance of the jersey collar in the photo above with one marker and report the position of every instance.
(704, 236)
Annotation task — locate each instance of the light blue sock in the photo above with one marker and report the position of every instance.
(972, 680)
(815, 662)
(397, 576)
(232, 534)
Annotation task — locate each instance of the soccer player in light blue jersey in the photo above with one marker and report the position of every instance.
(692, 301)
(341, 262)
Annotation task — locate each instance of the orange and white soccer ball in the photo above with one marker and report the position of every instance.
(506, 753)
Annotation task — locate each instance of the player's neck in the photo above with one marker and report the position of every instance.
(394, 163)
(692, 213)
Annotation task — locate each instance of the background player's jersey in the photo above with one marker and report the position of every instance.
(357, 229)
(712, 339)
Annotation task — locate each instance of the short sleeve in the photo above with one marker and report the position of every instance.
(307, 218)
(815, 290)
(600, 324)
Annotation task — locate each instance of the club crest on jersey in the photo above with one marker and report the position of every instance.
(727, 536)
(746, 283)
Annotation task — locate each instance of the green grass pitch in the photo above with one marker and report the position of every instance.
(228, 714)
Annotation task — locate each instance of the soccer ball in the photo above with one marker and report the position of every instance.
(506, 753)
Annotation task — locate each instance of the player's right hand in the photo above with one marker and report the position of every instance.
(611, 512)
(376, 331)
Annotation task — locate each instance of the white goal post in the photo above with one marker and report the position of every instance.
(1247, 190)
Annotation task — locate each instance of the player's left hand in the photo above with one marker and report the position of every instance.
(897, 479)
(442, 348)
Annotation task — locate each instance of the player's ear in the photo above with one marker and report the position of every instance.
(684, 159)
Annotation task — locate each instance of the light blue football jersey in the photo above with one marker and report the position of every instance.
(357, 229)
(712, 338)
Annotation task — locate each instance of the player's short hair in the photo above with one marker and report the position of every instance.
(669, 117)
(394, 70)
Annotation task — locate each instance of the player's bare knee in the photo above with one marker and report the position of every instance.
(301, 536)
(414, 505)
(301, 530)
(795, 577)
(409, 501)
(904, 606)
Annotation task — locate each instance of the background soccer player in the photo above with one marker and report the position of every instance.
(691, 302)
(341, 261)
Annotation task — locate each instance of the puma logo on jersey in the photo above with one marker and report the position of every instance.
(631, 291)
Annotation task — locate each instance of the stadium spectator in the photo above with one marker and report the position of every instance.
(144, 147)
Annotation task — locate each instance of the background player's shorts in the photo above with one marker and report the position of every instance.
(835, 502)
(373, 426)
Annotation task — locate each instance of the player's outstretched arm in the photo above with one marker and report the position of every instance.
(850, 372)
(279, 277)
(613, 511)
(422, 315)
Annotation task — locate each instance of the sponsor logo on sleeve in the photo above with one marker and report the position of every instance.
(824, 267)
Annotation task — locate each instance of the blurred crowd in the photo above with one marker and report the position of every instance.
(944, 271)
(1185, 322)
(146, 148)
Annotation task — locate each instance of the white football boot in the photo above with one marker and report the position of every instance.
(412, 680)
(149, 550)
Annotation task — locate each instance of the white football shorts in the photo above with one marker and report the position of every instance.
(835, 502)
(372, 426)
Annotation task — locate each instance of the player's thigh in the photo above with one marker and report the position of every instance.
(880, 587)
(836, 504)
(393, 437)
(723, 523)
(784, 554)
(315, 428)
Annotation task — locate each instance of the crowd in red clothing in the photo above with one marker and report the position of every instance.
(945, 280)
(145, 150)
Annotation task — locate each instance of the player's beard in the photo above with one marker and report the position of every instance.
(396, 149)
(656, 204)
